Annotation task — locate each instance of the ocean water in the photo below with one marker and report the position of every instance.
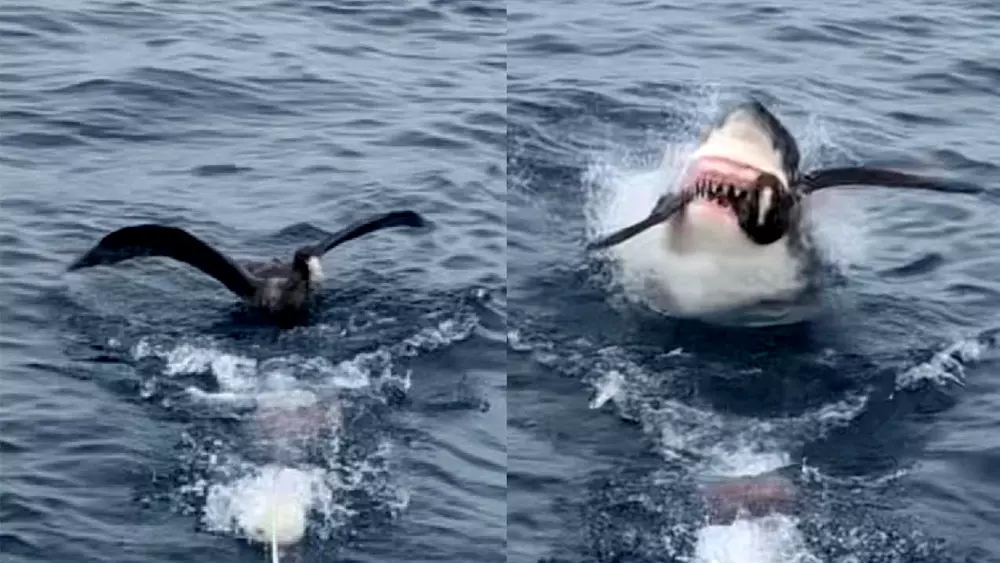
(143, 416)
(881, 410)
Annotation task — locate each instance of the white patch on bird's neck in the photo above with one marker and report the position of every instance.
(315, 269)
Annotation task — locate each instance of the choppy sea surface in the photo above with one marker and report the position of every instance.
(144, 417)
(883, 409)
(138, 403)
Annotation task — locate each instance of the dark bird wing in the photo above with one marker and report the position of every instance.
(171, 242)
(366, 226)
(664, 209)
(871, 176)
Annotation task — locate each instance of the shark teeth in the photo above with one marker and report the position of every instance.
(711, 188)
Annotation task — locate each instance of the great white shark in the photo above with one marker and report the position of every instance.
(733, 235)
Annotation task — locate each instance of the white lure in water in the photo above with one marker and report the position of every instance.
(282, 524)
(278, 518)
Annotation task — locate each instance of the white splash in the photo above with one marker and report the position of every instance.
(734, 446)
(292, 399)
(948, 365)
(270, 505)
(609, 387)
(235, 374)
(771, 539)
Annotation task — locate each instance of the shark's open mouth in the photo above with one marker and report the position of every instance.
(732, 184)
(754, 198)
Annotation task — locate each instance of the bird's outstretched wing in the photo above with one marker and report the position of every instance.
(366, 226)
(872, 176)
(171, 242)
(664, 209)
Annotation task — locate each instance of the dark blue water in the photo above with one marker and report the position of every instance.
(135, 399)
(882, 410)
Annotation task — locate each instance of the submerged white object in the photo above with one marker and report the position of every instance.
(279, 523)
(275, 509)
